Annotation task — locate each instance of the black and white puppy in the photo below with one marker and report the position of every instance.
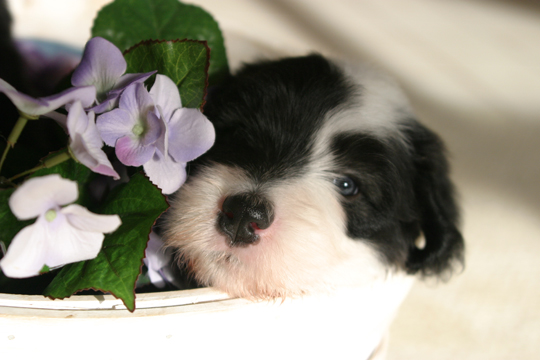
(320, 177)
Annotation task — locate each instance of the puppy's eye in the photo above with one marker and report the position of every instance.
(346, 186)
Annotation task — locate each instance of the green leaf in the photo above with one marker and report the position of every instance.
(128, 22)
(185, 62)
(116, 268)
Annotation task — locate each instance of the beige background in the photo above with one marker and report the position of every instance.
(472, 71)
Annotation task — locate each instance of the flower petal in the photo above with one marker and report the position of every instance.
(165, 94)
(191, 134)
(95, 144)
(91, 133)
(40, 106)
(163, 142)
(148, 115)
(93, 158)
(6, 87)
(165, 173)
(136, 100)
(156, 258)
(128, 79)
(77, 120)
(23, 102)
(102, 65)
(131, 152)
(85, 95)
(80, 218)
(68, 244)
(86, 142)
(26, 254)
(114, 125)
(81, 151)
(39, 194)
(155, 127)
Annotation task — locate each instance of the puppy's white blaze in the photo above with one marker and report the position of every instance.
(376, 108)
(305, 250)
(382, 100)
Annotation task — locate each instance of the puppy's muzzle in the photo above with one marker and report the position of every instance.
(243, 216)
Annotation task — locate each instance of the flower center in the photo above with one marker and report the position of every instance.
(137, 130)
(100, 96)
(50, 215)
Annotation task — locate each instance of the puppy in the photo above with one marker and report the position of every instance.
(320, 177)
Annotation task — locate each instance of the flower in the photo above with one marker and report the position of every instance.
(103, 66)
(85, 141)
(158, 260)
(35, 107)
(60, 235)
(133, 128)
(152, 129)
(188, 134)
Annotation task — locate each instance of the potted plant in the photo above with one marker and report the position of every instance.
(81, 192)
(136, 94)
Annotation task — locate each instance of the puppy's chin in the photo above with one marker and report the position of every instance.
(304, 251)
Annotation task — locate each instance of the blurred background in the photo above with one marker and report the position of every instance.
(472, 71)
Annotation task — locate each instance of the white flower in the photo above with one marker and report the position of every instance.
(60, 235)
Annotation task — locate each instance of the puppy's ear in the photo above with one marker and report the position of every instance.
(437, 209)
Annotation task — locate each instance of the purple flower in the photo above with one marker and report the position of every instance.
(35, 107)
(60, 235)
(158, 260)
(85, 141)
(188, 134)
(133, 128)
(103, 66)
(152, 129)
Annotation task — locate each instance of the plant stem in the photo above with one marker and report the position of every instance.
(14, 136)
(49, 163)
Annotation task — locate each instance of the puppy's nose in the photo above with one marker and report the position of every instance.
(242, 215)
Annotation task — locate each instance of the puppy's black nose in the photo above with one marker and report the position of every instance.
(242, 215)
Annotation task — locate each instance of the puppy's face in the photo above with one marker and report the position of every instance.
(319, 177)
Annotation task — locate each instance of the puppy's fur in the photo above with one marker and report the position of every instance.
(320, 177)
